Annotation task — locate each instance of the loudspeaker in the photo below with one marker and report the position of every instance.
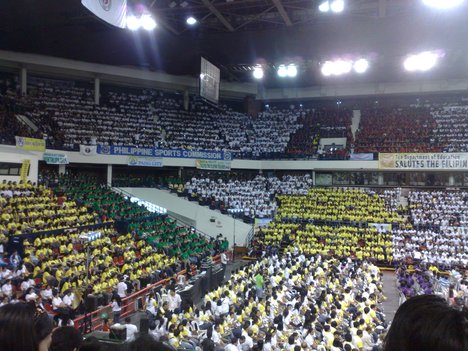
(118, 332)
(144, 325)
(91, 303)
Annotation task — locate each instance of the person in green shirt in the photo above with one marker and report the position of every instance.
(260, 284)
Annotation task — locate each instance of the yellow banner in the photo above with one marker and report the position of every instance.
(30, 144)
(25, 170)
(424, 161)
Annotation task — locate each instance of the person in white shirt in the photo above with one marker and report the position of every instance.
(122, 288)
(174, 301)
(131, 329)
(46, 293)
(224, 261)
(116, 309)
(232, 346)
(7, 289)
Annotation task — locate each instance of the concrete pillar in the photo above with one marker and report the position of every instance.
(451, 180)
(179, 173)
(62, 169)
(186, 99)
(381, 179)
(97, 90)
(313, 178)
(109, 175)
(24, 81)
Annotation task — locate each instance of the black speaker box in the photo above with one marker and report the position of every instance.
(91, 303)
(118, 332)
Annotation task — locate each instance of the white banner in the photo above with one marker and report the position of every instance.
(145, 161)
(88, 150)
(424, 161)
(111, 11)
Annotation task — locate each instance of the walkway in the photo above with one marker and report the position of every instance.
(390, 305)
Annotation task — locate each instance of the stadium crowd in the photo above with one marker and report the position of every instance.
(253, 198)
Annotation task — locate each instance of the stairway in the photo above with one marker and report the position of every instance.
(355, 121)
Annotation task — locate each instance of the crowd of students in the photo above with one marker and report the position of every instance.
(337, 205)
(290, 302)
(66, 116)
(253, 198)
(27, 208)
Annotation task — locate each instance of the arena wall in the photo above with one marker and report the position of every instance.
(206, 220)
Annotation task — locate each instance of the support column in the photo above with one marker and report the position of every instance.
(109, 175)
(179, 173)
(186, 100)
(451, 180)
(97, 90)
(381, 179)
(62, 169)
(24, 81)
(313, 178)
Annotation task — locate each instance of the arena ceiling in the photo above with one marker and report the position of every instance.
(237, 34)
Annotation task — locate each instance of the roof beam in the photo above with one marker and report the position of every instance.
(218, 15)
(282, 12)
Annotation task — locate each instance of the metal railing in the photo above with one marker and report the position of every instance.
(130, 305)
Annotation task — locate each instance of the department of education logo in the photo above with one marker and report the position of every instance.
(106, 4)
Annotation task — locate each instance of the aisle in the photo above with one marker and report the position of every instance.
(391, 293)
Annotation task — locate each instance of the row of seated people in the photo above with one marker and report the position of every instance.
(150, 118)
(337, 205)
(447, 247)
(362, 243)
(253, 198)
(421, 279)
(67, 116)
(150, 252)
(27, 208)
(72, 108)
(452, 127)
(316, 124)
(396, 130)
(289, 302)
(99, 198)
(432, 209)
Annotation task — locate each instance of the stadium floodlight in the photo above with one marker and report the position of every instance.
(191, 21)
(337, 6)
(291, 71)
(422, 62)
(282, 71)
(147, 22)
(442, 4)
(324, 6)
(258, 73)
(361, 66)
(133, 22)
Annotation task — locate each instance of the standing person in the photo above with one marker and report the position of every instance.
(15, 260)
(175, 301)
(122, 288)
(131, 329)
(116, 308)
(260, 284)
(24, 328)
(224, 261)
